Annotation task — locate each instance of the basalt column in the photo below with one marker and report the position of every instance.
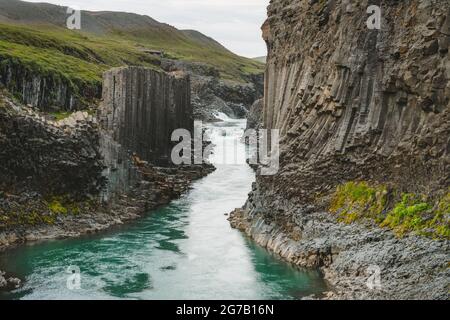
(141, 108)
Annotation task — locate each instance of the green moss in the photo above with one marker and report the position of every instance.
(410, 214)
(357, 200)
(417, 214)
(60, 115)
(56, 207)
(407, 215)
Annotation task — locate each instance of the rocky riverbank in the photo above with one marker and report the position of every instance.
(158, 187)
(52, 174)
(350, 254)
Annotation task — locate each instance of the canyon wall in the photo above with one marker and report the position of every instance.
(46, 91)
(85, 173)
(140, 110)
(356, 104)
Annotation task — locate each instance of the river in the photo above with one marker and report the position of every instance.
(185, 250)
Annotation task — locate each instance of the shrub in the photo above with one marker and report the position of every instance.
(56, 207)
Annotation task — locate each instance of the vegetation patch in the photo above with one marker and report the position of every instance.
(60, 115)
(41, 211)
(82, 57)
(356, 200)
(416, 214)
(409, 213)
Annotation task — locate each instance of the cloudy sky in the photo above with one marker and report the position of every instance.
(234, 23)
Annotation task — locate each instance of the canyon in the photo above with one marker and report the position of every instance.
(363, 187)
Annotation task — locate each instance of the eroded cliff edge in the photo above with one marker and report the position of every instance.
(364, 112)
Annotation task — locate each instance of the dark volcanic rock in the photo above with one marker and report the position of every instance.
(50, 158)
(354, 104)
(210, 94)
(255, 115)
(82, 175)
(8, 283)
(141, 108)
(46, 92)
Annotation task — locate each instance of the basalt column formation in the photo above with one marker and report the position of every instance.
(357, 105)
(140, 110)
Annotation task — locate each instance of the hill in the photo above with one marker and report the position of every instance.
(260, 59)
(34, 39)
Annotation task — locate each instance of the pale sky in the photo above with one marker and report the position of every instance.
(234, 23)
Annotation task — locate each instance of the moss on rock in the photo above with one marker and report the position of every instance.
(407, 213)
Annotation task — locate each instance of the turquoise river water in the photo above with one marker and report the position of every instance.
(185, 250)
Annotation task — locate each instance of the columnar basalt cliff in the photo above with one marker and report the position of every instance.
(142, 107)
(140, 110)
(48, 92)
(84, 174)
(354, 104)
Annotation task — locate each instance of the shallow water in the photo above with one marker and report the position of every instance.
(186, 250)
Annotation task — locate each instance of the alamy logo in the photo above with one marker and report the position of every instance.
(374, 280)
(74, 279)
(374, 21)
(73, 22)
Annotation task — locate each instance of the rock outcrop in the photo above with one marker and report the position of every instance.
(47, 157)
(142, 107)
(7, 283)
(45, 91)
(211, 94)
(255, 115)
(140, 110)
(354, 104)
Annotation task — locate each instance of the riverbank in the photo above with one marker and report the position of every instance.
(161, 185)
(350, 255)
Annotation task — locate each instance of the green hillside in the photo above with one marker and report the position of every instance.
(40, 43)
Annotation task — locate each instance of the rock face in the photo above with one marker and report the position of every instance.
(8, 283)
(49, 158)
(142, 107)
(140, 110)
(353, 104)
(210, 94)
(366, 103)
(254, 116)
(46, 92)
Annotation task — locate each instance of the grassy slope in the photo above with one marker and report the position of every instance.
(260, 59)
(82, 57)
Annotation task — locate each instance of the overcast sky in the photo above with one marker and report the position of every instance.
(234, 23)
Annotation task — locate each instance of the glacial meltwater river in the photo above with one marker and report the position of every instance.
(185, 250)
